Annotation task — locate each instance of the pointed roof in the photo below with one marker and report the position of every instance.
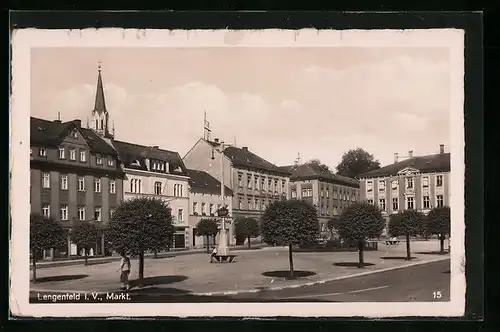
(100, 103)
(204, 183)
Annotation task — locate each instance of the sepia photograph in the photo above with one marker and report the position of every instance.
(237, 173)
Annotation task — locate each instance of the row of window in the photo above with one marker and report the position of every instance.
(410, 203)
(158, 188)
(42, 152)
(64, 183)
(307, 192)
(81, 212)
(212, 209)
(254, 204)
(325, 210)
(261, 185)
(409, 183)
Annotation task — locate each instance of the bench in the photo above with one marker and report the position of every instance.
(224, 258)
(390, 242)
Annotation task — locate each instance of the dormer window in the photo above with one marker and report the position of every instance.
(61, 153)
(42, 152)
(111, 162)
(98, 160)
(74, 134)
(136, 163)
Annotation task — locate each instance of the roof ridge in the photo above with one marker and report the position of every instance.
(146, 146)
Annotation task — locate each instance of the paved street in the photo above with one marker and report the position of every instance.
(417, 283)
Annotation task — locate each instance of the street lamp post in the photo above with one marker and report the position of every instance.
(222, 248)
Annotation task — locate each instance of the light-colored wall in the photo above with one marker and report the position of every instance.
(402, 193)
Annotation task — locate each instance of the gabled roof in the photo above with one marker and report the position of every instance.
(52, 133)
(313, 171)
(130, 152)
(204, 183)
(242, 157)
(425, 164)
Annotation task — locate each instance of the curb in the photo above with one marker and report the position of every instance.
(260, 290)
(317, 282)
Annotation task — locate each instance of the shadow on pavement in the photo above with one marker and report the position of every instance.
(433, 253)
(399, 257)
(97, 263)
(352, 264)
(159, 280)
(286, 274)
(66, 277)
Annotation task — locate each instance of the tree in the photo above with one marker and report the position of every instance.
(359, 222)
(141, 224)
(356, 162)
(247, 228)
(85, 235)
(45, 233)
(320, 164)
(409, 223)
(207, 227)
(439, 222)
(290, 222)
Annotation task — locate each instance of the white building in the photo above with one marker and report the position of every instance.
(154, 172)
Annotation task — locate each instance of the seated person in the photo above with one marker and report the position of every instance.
(214, 253)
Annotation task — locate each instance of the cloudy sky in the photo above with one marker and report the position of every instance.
(319, 102)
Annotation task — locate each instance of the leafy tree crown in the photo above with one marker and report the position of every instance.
(246, 227)
(46, 233)
(141, 224)
(409, 222)
(290, 222)
(84, 234)
(361, 221)
(207, 227)
(439, 220)
(356, 162)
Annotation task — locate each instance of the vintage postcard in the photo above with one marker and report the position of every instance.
(237, 173)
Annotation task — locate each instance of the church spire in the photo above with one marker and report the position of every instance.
(100, 104)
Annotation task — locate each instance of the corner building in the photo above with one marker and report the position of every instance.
(417, 183)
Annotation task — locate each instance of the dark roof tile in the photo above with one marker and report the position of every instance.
(311, 171)
(425, 164)
(202, 182)
(130, 152)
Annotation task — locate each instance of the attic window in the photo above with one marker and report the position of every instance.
(41, 128)
(136, 163)
(74, 134)
(178, 169)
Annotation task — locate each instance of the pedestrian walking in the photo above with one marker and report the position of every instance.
(214, 253)
(124, 271)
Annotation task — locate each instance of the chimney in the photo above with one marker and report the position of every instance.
(216, 140)
(155, 146)
(78, 123)
(410, 154)
(441, 148)
(57, 121)
(244, 148)
(396, 157)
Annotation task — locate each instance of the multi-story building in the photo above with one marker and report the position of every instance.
(328, 192)
(255, 182)
(75, 176)
(154, 172)
(419, 183)
(205, 199)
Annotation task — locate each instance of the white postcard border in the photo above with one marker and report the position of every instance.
(24, 40)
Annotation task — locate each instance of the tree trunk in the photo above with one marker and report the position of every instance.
(360, 254)
(290, 259)
(34, 265)
(408, 252)
(208, 243)
(441, 243)
(86, 257)
(249, 242)
(141, 266)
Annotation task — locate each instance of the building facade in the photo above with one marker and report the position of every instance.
(75, 176)
(205, 200)
(328, 192)
(157, 173)
(255, 182)
(420, 183)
